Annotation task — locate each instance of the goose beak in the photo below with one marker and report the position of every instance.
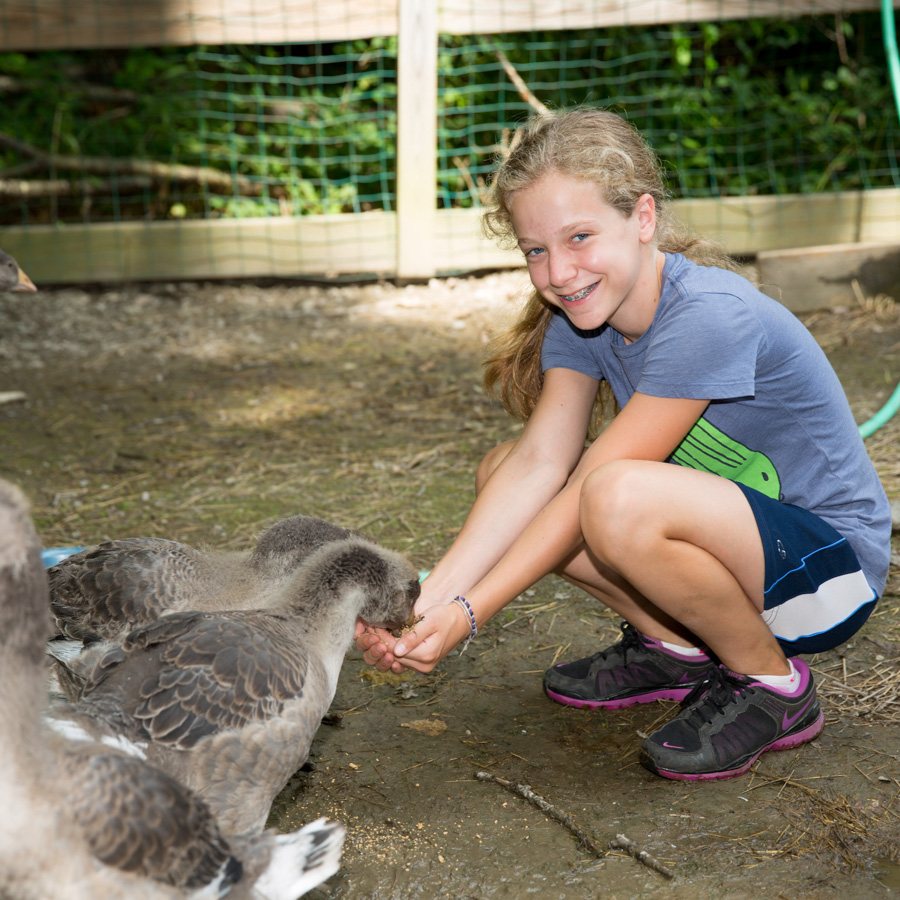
(25, 283)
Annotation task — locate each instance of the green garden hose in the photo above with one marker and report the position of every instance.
(890, 46)
(883, 415)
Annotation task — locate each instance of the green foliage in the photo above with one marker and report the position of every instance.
(741, 107)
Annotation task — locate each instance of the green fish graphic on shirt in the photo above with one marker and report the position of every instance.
(710, 450)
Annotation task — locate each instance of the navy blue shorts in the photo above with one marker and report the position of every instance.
(816, 595)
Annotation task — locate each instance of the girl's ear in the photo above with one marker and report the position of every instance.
(646, 216)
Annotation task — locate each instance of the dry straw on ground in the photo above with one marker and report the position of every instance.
(868, 691)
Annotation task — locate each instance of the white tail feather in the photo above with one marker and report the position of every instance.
(301, 860)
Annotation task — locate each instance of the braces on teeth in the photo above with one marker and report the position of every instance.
(579, 294)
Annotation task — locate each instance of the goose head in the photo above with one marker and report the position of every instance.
(380, 586)
(12, 278)
(286, 544)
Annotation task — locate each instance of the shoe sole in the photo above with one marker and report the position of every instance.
(783, 743)
(676, 694)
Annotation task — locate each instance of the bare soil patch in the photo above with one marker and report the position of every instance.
(204, 412)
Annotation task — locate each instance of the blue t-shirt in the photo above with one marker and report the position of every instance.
(778, 420)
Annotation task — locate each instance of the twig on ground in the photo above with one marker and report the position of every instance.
(525, 791)
(619, 843)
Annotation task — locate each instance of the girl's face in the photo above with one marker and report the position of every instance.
(585, 257)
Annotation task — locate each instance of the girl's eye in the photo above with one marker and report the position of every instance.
(533, 252)
(580, 237)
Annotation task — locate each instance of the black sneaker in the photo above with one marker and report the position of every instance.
(728, 723)
(636, 669)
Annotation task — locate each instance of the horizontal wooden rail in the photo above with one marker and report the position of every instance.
(365, 244)
(56, 24)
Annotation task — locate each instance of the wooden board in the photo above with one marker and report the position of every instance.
(748, 225)
(54, 24)
(77, 24)
(321, 246)
(823, 277)
(366, 244)
(489, 16)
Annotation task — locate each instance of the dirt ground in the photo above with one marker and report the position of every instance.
(204, 412)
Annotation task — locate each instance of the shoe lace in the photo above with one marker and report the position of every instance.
(630, 640)
(712, 695)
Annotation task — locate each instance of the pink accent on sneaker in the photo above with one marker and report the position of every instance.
(803, 676)
(787, 720)
(657, 644)
(677, 694)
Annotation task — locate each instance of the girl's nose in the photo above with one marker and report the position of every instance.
(561, 269)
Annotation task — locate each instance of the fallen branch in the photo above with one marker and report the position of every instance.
(517, 80)
(99, 92)
(524, 791)
(64, 187)
(620, 843)
(94, 165)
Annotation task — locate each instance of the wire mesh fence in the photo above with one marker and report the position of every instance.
(762, 106)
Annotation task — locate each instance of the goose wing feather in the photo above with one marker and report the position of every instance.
(189, 675)
(124, 582)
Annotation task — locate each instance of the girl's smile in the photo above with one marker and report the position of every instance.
(580, 295)
(587, 258)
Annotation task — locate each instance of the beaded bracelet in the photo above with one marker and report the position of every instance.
(463, 604)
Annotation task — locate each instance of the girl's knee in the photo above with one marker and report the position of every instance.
(611, 502)
(490, 462)
(610, 485)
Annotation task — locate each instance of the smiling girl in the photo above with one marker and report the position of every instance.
(728, 513)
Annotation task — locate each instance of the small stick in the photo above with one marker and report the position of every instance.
(525, 791)
(620, 843)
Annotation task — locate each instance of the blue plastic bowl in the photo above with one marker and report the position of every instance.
(52, 555)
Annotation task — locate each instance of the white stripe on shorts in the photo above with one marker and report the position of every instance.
(808, 614)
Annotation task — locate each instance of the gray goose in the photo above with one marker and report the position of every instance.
(82, 819)
(110, 588)
(12, 277)
(228, 703)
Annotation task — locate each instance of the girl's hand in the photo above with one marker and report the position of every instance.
(421, 649)
(441, 629)
(377, 644)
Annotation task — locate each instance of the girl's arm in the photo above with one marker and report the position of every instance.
(647, 428)
(532, 473)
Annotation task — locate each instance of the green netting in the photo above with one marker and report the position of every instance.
(759, 106)
(743, 107)
(288, 131)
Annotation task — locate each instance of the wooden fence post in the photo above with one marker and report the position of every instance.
(416, 138)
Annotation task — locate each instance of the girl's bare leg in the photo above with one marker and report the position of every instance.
(687, 546)
(585, 571)
(676, 553)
